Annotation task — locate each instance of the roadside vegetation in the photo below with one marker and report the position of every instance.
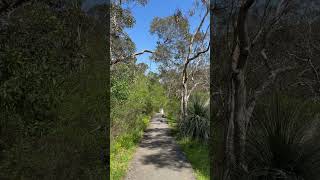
(52, 91)
(135, 97)
(123, 147)
(184, 97)
(197, 153)
(194, 140)
(264, 88)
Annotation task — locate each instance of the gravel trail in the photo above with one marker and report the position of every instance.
(158, 156)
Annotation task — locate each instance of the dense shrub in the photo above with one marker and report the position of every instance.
(196, 124)
(133, 95)
(172, 108)
(52, 93)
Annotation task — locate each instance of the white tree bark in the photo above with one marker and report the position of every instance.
(188, 59)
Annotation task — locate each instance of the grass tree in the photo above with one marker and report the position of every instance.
(283, 140)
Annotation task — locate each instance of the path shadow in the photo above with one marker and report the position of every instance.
(168, 154)
(166, 159)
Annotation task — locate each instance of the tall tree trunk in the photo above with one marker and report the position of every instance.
(240, 107)
(235, 136)
(188, 59)
(184, 98)
(236, 128)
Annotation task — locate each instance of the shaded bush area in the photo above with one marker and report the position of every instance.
(283, 140)
(52, 93)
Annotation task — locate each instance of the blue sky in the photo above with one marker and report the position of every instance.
(144, 15)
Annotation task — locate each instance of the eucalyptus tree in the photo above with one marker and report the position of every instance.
(122, 48)
(179, 49)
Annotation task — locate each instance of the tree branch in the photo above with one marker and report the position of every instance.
(270, 80)
(241, 50)
(309, 61)
(142, 52)
(199, 53)
(188, 59)
(194, 35)
(131, 56)
(192, 89)
(266, 29)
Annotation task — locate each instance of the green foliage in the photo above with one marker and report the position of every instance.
(172, 108)
(196, 124)
(197, 152)
(171, 27)
(133, 94)
(122, 149)
(121, 43)
(198, 155)
(283, 140)
(157, 96)
(29, 60)
(52, 94)
(134, 97)
(174, 32)
(120, 84)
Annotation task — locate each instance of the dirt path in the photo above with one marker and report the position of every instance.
(158, 157)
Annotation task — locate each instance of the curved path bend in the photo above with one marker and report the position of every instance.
(158, 156)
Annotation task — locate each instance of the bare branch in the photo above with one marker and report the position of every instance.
(309, 61)
(266, 29)
(199, 53)
(188, 59)
(142, 52)
(270, 80)
(196, 32)
(192, 89)
(297, 57)
(131, 56)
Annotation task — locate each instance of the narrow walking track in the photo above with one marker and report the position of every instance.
(158, 157)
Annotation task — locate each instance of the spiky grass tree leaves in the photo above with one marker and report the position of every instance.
(283, 141)
(196, 124)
